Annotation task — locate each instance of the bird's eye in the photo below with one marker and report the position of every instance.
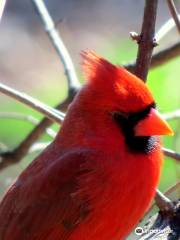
(120, 116)
(132, 118)
(136, 117)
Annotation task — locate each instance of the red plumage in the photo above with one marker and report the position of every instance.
(91, 182)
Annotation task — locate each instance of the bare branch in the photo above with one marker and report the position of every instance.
(165, 29)
(12, 157)
(54, 115)
(172, 115)
(19, 116)
(174, 13)
(57, 42)
(172, 189)
(163, 225)
(160, 58)
(172, 154)
(26, 118)
(163, 203)
(39, 146)
(135, 36)
(15, 156)
(2, 5)
(147, 41)
(165, 55)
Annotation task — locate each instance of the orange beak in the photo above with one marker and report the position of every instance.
(153, 125)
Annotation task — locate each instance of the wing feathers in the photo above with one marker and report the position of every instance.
(45, 207)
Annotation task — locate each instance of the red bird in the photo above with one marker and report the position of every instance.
(99, 176)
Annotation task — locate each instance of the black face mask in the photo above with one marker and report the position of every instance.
(127, 122)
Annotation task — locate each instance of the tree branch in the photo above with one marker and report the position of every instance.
(147, 41)
(172, 115)
(165, 29)
(160, 58)
(172, 154)
(163, 226)
(26, 118)
(51, 113)
(173, 188)
(174, 13)
(17, 154)
(163, 203)
(57, 43)
(165, 55)
(39, 146)
(12, 157)
(2, 5)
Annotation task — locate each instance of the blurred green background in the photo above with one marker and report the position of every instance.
(29, 63)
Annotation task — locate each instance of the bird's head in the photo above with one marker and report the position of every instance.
(124, 96)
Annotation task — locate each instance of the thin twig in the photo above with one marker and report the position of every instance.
(165, 55)
(163, 202)
(2, 5)
(165, 224)
(26, 118)
(39, 146)
(147, 41)
(57, 42)
(174, 13)
(11, 157)
(172, 189)
(20, 151)
(160, 58)
(167, 194)
(35, 104)
(172, 115)
(19, 116)
(172, 154)
(165, 29)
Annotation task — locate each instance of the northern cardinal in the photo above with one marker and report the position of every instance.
(98, 177)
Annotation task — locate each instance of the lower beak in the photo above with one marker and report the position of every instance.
(153, 125)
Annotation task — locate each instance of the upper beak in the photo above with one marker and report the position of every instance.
(153, 125)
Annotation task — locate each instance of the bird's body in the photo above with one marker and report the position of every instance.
(94, 181)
